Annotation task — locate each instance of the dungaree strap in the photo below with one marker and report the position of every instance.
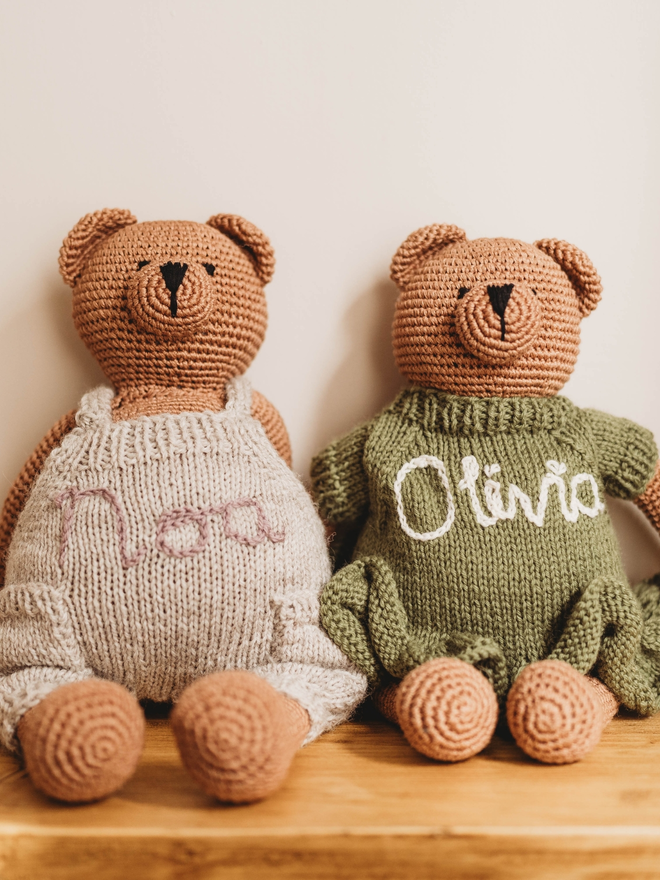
(95, 408)
(239, 396)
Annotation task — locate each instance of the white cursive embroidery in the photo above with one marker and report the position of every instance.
(422, 462)
(471, 471)
(554, 477)
(571, 510)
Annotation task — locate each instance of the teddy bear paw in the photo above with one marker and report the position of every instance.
(447, 709)
(237, 735)
(556, 714)
(83, 741)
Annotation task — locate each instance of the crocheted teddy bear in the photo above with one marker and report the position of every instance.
(157, 544)
(486, 572)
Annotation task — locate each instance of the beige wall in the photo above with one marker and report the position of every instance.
(338, 127)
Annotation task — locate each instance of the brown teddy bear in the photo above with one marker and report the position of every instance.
(157, 544)
(486, 570)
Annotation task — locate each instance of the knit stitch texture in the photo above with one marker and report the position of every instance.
(486, 538)
(158, 550)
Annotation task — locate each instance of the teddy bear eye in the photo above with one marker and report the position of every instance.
(142, 264)
(210, 268)
(462, 291)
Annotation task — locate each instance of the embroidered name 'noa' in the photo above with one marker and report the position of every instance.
(168, 522)
(570, 504)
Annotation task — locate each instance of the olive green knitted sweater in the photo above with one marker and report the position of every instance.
(484, 536)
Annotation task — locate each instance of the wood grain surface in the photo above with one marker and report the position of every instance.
(359, 803)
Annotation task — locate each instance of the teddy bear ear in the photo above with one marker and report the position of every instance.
(579, 268)
(420, 244)
(250, 238)
(87, 233)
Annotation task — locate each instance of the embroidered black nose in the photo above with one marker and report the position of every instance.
(173, 274)
(499, 299)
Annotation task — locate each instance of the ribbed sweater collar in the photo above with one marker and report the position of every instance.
(437, 410)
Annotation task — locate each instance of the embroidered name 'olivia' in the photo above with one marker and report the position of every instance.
(168, 522)
(570, 509)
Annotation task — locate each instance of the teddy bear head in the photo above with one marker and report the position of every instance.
(168, 303)
(489, 317)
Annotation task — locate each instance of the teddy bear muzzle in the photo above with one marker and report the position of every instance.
(497, 322)
(171, 299)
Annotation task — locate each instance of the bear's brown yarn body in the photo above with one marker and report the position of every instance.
(429, 334)
(488, 330)
(153, 369)
(433, 328)
(175, 312)
(122, 307)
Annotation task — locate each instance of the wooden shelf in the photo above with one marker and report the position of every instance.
(359, 803)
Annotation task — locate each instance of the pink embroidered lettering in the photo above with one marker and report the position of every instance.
(73, 496)
(169, 522)
(265, 531)
(175, 519)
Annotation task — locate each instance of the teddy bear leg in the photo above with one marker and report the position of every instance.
(83, 741)
(237, 735)
(556, 714)
(446, 709)
(384, 699)
(609, 705)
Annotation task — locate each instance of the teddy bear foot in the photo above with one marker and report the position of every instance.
(237, 735)
(384, 699)
(83, 741)
(447, 709)
(556, 714)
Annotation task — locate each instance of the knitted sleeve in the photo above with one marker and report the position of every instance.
(626, 452)
(339, 481)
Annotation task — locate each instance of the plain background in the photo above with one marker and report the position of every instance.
(338, 127)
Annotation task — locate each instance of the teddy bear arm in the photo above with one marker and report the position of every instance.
(649, 500)
(264, 411)
(19, 492)
(627, 457)
(339, 481)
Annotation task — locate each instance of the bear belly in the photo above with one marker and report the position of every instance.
(502, 593)
(158, 592)
(157, 632)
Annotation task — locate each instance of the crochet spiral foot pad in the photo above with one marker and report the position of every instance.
(237, 735)
(447, 709)
(555, 713)
(83, 741)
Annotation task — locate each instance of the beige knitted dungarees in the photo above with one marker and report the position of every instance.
(157, 550)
